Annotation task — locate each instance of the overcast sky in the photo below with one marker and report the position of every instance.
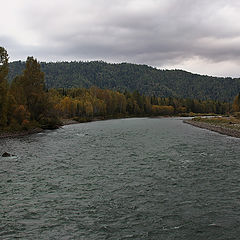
(201, 36)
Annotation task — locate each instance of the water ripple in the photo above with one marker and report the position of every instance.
(121, 179)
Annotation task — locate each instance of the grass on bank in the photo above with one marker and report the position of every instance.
(232, 121)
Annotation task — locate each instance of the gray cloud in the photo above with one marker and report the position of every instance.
(172, 33)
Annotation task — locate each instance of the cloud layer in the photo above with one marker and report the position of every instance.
(200, 36)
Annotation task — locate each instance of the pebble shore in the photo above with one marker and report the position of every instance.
(216, 128)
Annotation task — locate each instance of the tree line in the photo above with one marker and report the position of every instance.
(26, 102)
(96, 102)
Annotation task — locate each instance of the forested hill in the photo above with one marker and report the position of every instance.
(125, 76)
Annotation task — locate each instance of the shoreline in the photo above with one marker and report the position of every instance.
(33, 131)
(65, 122)
(20, 133)
(215, 128)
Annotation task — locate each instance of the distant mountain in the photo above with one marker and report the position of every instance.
(126, 76)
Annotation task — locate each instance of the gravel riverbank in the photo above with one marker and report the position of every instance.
(216, 128)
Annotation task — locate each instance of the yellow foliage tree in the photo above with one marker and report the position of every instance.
(236, 103)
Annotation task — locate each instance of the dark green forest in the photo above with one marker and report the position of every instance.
(131, 77)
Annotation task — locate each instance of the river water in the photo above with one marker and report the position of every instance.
(121, 179)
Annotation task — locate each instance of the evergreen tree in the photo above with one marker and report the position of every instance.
(3, 86)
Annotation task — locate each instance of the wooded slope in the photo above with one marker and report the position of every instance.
(147, 80)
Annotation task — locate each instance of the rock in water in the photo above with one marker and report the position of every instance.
(6, 154)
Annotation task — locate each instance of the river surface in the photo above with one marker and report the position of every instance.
(121, 179)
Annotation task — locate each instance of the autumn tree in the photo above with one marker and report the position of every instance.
(17, 90)
(20, 114)
(236, 103)
(33, 87)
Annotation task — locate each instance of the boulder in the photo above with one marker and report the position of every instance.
(6, 154)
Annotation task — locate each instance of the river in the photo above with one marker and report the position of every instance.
(146, 178)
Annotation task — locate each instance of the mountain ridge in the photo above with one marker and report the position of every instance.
(127, 76)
